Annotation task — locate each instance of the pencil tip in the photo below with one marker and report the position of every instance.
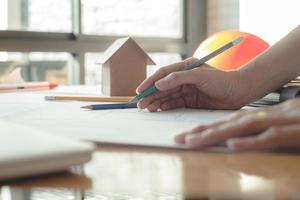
(53, 85)
(132, 101)
(86, 107)
(49, 98)
(237, 40)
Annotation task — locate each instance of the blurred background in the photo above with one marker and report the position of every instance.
(61, 40)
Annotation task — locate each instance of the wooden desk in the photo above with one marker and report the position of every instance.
(147, 173)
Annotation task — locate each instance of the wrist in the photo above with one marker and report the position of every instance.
(248, 87)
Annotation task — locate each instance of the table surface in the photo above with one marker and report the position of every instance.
(128, 172)
(122, 172)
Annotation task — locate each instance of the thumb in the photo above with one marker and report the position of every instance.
(176, 79)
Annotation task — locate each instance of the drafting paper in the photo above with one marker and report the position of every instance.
(124, 126)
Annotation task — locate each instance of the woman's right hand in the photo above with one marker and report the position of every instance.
(202, 87)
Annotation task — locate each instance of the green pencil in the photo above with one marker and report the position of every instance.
(198, 63)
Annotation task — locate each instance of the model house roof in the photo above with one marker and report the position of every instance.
(118, 45)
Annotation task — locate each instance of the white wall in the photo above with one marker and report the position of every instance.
(3, 14)
(222, 15)
(269, 19)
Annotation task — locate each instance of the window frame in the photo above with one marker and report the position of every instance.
(78, 44)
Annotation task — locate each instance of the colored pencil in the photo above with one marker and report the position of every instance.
(27, 86)
(110, 106)
(85, 98)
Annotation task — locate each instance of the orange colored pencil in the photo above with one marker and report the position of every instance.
(85, 98)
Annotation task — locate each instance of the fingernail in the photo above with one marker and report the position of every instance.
(180, 138)
(140, 105)
(231, 144)
(159, 84)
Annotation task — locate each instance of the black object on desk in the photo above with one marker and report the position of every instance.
(280, 95)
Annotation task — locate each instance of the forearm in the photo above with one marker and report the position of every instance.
(275, 67)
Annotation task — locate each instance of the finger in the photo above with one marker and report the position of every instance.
(236, 115)
(198, 129)
(162, 72)
(241, 113)
(179, 78)
(250, 124)
(273, 138)
(153, 107)
(145, 102)
(173, 98)
(172, 104)
(180, 138)
(212, 124)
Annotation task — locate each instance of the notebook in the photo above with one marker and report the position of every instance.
(25, 152)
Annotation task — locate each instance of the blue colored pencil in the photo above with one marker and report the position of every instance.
(110, 106)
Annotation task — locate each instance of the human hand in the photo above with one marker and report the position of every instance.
(202, 87)
(275, 127)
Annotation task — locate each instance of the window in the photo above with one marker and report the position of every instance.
(271, 20)
(162, 59)
(92, 68)
(36, 15)
(38, 66)
(71, 34)
(143, 18)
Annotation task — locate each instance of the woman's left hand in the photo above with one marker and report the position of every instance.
(275, 127)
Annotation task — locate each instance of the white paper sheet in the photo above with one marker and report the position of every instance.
(127, 126)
